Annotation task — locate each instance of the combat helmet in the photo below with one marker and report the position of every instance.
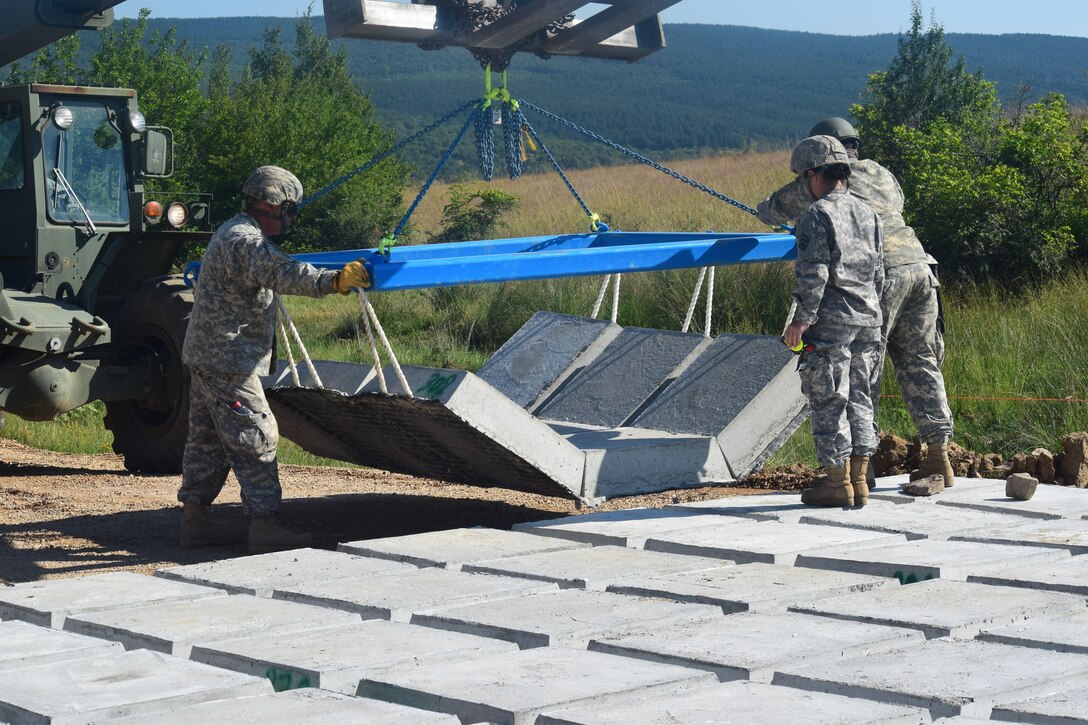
(273, 185)
(817, 151)
(840, 128)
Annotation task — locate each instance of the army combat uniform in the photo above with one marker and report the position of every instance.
(228, 344)
(908, 300)
(839, 272)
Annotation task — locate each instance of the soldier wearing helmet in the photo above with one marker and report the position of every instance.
(228, 344)
(836, 318)
(913, 331)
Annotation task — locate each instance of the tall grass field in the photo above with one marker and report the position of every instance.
(1015, 367)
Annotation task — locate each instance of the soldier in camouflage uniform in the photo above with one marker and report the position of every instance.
(912, 330)
(837, 317)
(228, 344)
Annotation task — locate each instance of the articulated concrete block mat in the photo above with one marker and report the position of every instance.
(630, 527)
(737, 702)
(743, 389)
(1059, 708)
(749, 587)
(942, 608)
(514, 689)
(1064, 575)
(174, 627)
(951, 677)
(891, 489)
(1068, 534)
(454, 548)
(298, 707)
(914, 522)
(785, 507)
(540, 352)
(594, 568)
(457, 428)
(27, 645)
(754, 645)
(397, 596)
(336, 659)
(115, 685)
(1060, 634)
(47, 603)
(1049, 501)
(612, 387)
(263, 574)
(772, 542)
(567, 618)
(924, 559)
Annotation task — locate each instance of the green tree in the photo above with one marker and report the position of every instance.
(473, 212)
(300, 110)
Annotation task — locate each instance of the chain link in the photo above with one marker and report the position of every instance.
(485, 143)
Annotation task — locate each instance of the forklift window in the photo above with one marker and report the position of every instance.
(87, 161)
(11, 146)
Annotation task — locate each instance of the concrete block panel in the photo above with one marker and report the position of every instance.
(454, 548)
(27, 645)
(1058, 708)
(114, 685)
(1063, 575)
(630, 527)
(784, 507)
(540, 352)
(615, 384)
(1059, 634)
(914, 522)
(1068, 534)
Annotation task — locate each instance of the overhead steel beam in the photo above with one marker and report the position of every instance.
(523, 22)
(30, 25)
(605, 24)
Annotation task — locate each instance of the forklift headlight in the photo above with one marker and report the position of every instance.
(136, 121)
(63, 118)
(177, 214)
(153, 212)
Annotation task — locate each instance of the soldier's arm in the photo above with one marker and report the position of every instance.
(812, 265)
(271, 268)
(786, 204)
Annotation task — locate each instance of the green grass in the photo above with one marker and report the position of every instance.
(1001, 344)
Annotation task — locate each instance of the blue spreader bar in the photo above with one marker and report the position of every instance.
(502, 260)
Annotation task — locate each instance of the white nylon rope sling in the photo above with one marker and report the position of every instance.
(370, 316)
(615, 296)
(695, 298)
(285, 321)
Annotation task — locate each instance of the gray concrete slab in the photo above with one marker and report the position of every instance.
(928, 559)
(630, 527)
(890, 488)
(594, 568)
(27, 645)
(750, 587)
(951, 677)
(1049, 501)
(396, 596)
(298, 707)
(336, 659)
(453, 548)
(1070, 534)
(786, 507)
(914, 522)
(942, 608)
(1058, 708)
(260, 575)
(48, 603)
(566, 618)
(514, 689)
(115, 685)
(771, 542)
(1057, 633)
(540, 352)
(630, 461)
(738, 702)
(754, 645)
(609, 389)
(1064, 575)
(174, 627)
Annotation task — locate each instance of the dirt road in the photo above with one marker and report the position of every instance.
(66, 515)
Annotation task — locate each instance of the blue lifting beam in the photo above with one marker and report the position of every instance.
(571, 255)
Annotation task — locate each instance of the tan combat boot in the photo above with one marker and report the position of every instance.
(936, 463)
(267, 533)
(859, 470)
(200, 528)
(831, 488)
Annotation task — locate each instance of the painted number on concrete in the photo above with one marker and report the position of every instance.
(286, 680)
(436, 385)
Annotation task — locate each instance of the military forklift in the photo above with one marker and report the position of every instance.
(88, 307)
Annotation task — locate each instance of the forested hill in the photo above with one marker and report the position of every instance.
(713, 87)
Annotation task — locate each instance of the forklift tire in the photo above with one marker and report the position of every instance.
(151, 437)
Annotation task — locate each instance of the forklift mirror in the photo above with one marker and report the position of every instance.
(158, 152)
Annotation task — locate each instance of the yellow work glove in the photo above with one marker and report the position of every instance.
(353, 274)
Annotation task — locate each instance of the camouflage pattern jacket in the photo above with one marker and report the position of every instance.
(838, 268)
(233, 323)
(873, 184)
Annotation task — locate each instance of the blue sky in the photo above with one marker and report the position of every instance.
(843, 17)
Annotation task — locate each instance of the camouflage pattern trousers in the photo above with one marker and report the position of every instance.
(916, 348)
(230, 428)
(836, 376)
